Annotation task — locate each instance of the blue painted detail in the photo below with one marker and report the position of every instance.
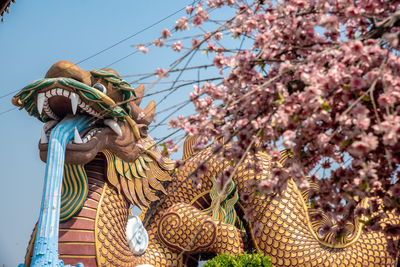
(45, 252)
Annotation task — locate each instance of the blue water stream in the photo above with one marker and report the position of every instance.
(45, 251)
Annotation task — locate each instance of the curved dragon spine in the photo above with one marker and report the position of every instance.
(281, 227)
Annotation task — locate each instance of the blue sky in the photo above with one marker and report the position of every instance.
(35, 35)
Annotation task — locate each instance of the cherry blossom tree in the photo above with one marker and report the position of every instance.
(320, 78)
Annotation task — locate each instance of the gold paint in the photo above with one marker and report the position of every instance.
(16, 102)
(311, 230)
(75, 230)
(30, 246)
(84, 218)
(97, 230)
(77, 256)
(134, 127)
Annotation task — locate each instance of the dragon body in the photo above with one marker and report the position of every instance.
(114, 164)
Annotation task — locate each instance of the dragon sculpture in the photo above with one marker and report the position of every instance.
(113, 163)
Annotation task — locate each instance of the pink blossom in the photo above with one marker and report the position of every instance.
(142, 48)
(357, 83)
(173, 123)
(141, 115)
(357, 181)
(386, 100)
(248, 213)
(189, 10)
(304, 184)
(357, 47)
(366, 144)
(245, 197)
(197, 21)
(159, 42)
(218, 62)
(390, 138)
(202, 13)
(218, 36)
(329, 22)
(361, 116)
(391, 38)
(352, 11)
(368, 172)
(165, 33)
(210, 47)
(182, 24)
(289, 85)
(288, 138)
(195, 43)
(162, 73)
(177, 46)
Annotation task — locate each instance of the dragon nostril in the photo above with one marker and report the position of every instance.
(100, 87)
(143, 128)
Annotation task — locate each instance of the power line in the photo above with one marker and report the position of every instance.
(131, 36)
(115, 44)
(8, 110)
(8, 94)
(132, 53)
(121, 41)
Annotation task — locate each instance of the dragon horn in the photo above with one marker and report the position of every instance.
(139, 91)
(139, 115)
(149, 111)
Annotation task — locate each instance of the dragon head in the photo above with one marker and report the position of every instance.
(117, 121)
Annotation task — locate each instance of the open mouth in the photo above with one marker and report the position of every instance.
(57, 103)
(52, 99)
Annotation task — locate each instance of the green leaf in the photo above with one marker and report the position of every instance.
(261, 134)
(364, 185)
(303, 155)
(366, 98)
(295, 117)
(347, 142)
(164, 148)
(262, 65)
(312, 203)
(240, 260)
(326, 106)
(280, 100)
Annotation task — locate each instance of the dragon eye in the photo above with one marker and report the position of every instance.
(100, 87)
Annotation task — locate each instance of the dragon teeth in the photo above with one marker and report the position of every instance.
(42, 104)
(40, 101)
(114, 126)
(77, 137)
(74, 102)
(44, 139)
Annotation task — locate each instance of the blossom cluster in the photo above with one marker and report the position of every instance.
(322, 79)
